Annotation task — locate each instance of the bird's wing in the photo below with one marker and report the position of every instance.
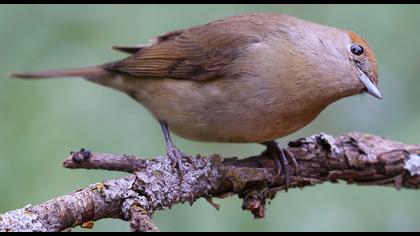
(199, 53)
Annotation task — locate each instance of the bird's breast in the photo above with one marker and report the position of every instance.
(228, 110)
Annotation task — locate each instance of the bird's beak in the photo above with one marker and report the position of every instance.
(371, 88)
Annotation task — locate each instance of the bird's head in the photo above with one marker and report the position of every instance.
(363, 59)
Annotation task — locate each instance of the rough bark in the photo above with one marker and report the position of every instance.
(155, 184)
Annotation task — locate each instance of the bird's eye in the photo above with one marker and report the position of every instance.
(357, 49)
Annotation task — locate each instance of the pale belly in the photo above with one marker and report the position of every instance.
(214, 111)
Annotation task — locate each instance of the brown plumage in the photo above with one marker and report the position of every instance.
(247, 78)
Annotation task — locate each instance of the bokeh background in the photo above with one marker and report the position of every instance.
(41, 121)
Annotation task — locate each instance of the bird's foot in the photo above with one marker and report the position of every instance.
(282, 158)
(176, 156)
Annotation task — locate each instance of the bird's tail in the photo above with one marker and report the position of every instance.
(88, 72)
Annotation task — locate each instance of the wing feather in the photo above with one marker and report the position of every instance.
(199, 53)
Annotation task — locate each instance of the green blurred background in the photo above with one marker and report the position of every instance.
(41, 121)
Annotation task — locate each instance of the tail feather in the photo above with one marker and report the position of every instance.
(80, 72)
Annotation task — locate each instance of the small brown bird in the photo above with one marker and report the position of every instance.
(250, 78)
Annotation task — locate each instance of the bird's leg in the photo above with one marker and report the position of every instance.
(172, 151)
(281, 157)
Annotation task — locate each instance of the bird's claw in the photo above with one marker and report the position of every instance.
(282, 158)
(176, 157)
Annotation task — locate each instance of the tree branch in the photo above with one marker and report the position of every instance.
(155, 184)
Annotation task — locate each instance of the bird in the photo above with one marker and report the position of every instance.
(247, 78)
